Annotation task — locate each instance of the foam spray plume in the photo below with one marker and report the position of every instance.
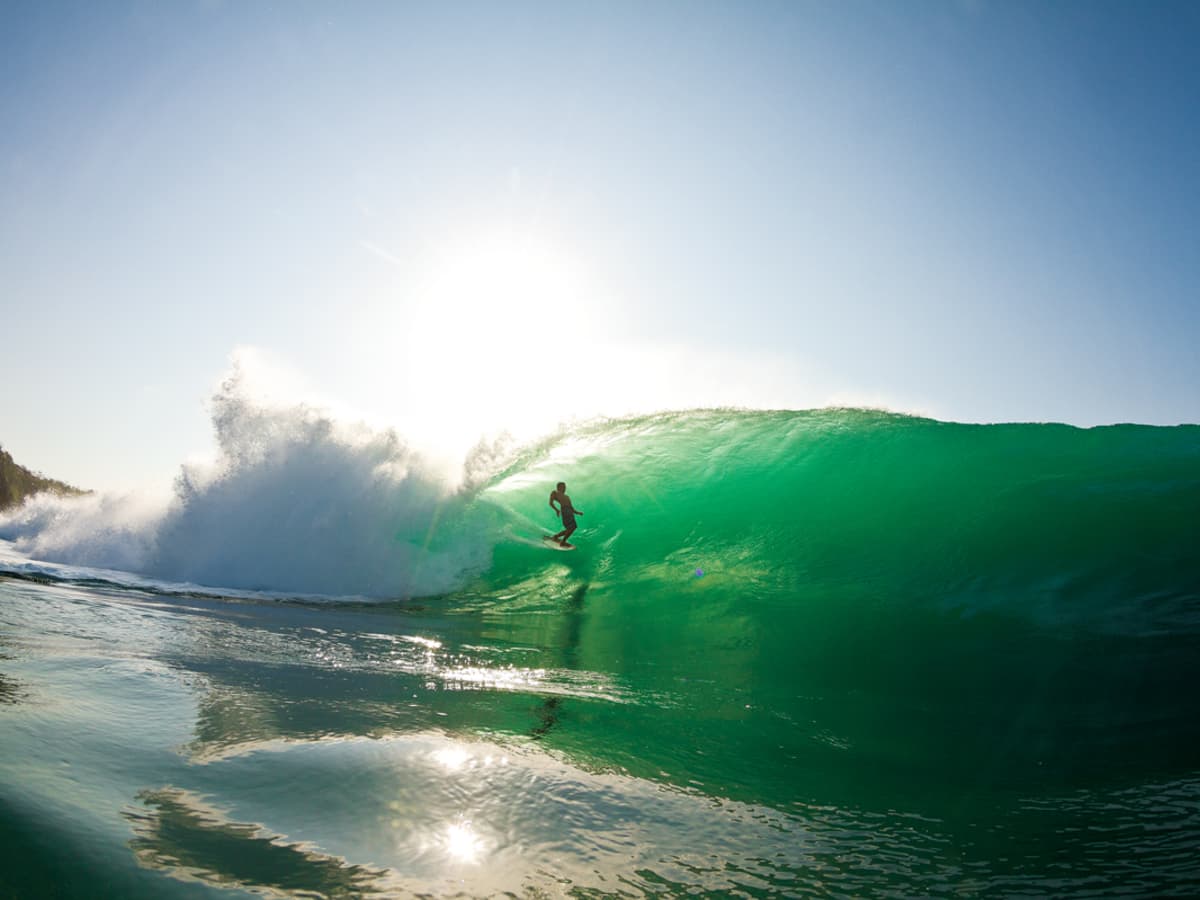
(295, 502)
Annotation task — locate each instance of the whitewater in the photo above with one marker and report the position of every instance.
(833, 652)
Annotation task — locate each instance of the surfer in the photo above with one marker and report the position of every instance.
(565, 511)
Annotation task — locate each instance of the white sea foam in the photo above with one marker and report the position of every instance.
(114, 531)
(295, 500)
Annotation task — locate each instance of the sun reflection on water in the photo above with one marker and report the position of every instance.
(510, 678)
(452, 758)
(462, 843)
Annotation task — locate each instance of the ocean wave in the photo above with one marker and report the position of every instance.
(1057, 527)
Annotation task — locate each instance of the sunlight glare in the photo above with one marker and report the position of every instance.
(452, 758)
(492, 336)
(463, 843)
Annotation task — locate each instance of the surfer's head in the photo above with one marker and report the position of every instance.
(562, 486)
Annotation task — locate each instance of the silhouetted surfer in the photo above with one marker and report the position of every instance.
(565, 511)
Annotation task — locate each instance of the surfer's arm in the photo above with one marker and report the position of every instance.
(553, 507)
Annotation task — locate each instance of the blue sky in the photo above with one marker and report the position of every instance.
(448, 216)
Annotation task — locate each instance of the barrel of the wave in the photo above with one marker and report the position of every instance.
(853, 591)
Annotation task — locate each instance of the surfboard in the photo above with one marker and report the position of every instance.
(555, 545)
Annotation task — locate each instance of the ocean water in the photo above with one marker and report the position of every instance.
(806, 653)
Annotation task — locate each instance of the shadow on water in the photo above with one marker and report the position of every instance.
(176, 833)
(548, 712)
(10, 689)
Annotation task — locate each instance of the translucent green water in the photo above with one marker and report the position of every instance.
(796, 654)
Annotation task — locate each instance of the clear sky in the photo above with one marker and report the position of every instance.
(453, 216)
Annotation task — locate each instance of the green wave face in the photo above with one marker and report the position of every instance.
(842, 597)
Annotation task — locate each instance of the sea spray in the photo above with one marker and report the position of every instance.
(111, 531)
(295, 502)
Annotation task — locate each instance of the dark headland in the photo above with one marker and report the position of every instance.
(18, 482)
